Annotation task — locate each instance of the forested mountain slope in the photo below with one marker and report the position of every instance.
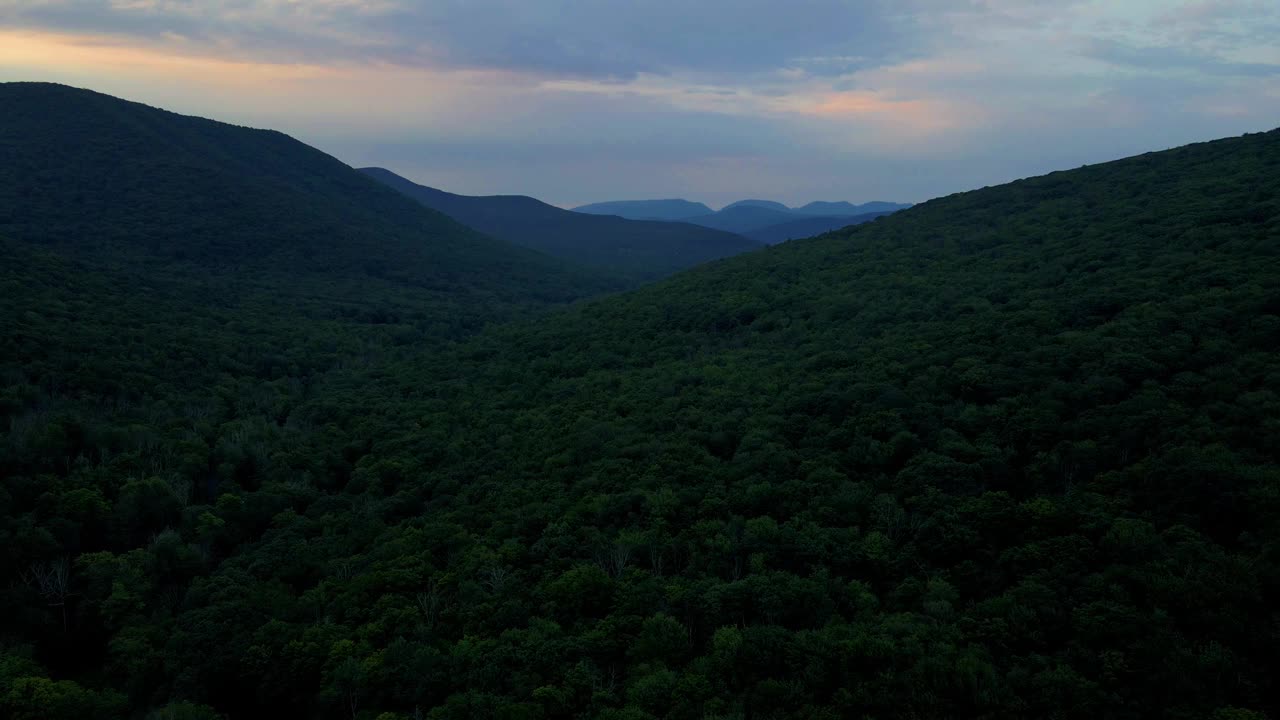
(1010, 453)
(104, 179)
(636, 250)
(171, 290)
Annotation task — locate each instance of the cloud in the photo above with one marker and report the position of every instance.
(578, 38)
(279, 31)
(1165, 58)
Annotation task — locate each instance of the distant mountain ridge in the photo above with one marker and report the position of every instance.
(744, 217)
(647, 209)
(849, 209)
(809, 226)
(634, 249)
(766, 204)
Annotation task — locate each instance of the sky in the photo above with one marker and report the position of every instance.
(577, 101)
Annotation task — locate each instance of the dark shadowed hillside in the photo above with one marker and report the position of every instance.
(1010, 453)
(103, 178)
(171, 289)
(633, 249)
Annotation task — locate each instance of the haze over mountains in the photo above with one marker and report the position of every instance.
(765, 221)
(647, 209)
(633, 248)
(685, 210)
(278, 441)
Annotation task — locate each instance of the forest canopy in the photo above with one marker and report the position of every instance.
(1009, 453)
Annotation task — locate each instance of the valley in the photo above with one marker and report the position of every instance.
(284, 437)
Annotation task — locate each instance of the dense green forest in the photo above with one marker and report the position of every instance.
(1010, 453)
(121, 184)
(170, 287)
(631, 250)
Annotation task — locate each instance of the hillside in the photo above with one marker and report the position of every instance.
(632, 249)
(807, 227)
(1009, 453)
(647, 209)
(172, 291)
(109, 180)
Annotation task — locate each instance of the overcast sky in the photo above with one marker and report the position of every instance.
(577, 101)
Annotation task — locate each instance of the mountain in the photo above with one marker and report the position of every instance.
(767, 204)
(878, 206)
(935, 465)
(807, 227)
(829, 208)
(743, 219)
(1006, 454)
(103, 179)
(848, 209)
(647, 209)
(990, 439)
(184, 305)
(769, 222)
(631, 248)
